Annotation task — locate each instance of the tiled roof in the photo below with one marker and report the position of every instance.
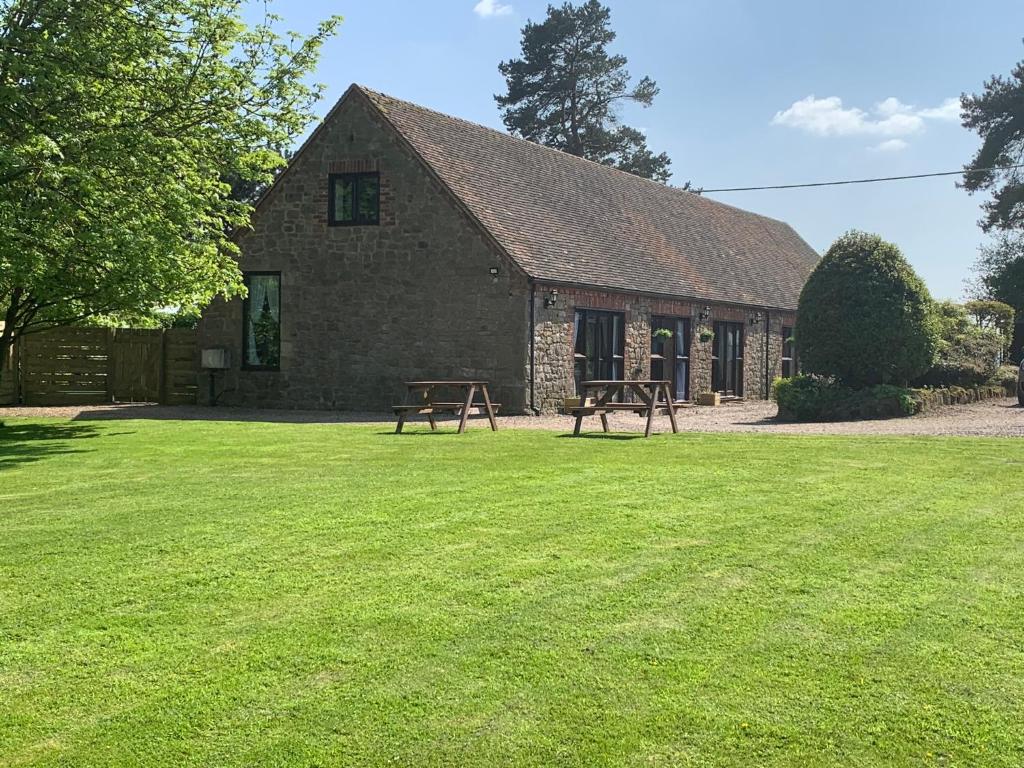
(568, 220)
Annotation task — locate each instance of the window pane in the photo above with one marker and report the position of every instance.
(369, 199)
(343, 198)
(263, 321)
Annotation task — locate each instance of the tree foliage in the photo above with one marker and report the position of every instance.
(124, 127)
(565, 90)
(1000, 270)
(997, 115)
(864, 316)
(969, 353)
(991, 314)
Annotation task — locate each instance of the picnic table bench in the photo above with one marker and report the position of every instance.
(648, 392)
(422, 392)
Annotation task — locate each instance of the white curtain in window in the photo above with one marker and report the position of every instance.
(262, 289)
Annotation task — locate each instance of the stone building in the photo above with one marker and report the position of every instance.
(403, 244)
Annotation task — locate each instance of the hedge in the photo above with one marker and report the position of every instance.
(811, 398)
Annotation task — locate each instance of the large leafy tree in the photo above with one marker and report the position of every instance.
(124, 127)
(566, 88)
(997, 115)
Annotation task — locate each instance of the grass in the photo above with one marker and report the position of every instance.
(200, 593)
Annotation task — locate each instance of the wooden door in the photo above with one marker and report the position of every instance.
(136, 366)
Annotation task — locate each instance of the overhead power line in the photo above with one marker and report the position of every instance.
(860, 181)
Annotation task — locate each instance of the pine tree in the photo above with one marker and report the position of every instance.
(565, 89)
(997, 115)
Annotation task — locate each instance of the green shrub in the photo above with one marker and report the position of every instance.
(1005, 377)
(807, 398)
(968, 355)
(864, 316)
(811, 398)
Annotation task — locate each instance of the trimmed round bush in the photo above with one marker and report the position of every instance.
(865, 317)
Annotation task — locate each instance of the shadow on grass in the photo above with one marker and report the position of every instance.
(22, 443)
(440, 432)
(152, 411)
(610, 435)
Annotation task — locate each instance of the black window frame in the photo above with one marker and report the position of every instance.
(723, 370)
(617, 339)
(246, 365)
(788, 360)
(682, 335)
(356, 221)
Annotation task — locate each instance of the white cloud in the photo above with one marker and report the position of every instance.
(487, 8)
(890, 145)
(948, 110)
(889, 117)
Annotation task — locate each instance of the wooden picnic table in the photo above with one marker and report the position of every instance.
(649, 392)
(422, 393)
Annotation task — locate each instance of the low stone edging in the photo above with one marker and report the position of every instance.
(901, 403)
(928, 399)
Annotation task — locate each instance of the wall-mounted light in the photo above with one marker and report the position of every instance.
(705, 314)
(552, 298)
(494, 274)
(755, 318)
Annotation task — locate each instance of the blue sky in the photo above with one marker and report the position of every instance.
(752, 93)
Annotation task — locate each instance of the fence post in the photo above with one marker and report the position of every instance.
(17, 373)
(110, 364)
(162, 395)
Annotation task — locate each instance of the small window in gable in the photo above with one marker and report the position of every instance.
(353, 198)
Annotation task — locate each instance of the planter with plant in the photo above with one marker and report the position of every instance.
(705, 335)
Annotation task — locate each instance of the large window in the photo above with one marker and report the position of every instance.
(670, 353)
(354, 198)
(599, 344)
(261, 313)
(789, 362)
(727, 359)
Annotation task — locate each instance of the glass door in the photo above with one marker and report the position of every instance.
(727, 359)
(599, 341)
(670, 353)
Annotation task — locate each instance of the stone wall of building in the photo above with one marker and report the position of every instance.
(554, 339)
(365, 308)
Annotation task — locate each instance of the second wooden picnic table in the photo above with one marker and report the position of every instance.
(648, 391)
(422, 392)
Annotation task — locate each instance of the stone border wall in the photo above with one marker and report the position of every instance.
(929, 399)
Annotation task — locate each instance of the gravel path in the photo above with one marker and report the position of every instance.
(992, 418)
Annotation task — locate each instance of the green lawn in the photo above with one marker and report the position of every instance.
(200, 593)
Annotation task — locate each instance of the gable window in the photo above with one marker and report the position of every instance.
(789, 362)
(599, 341)
(353, 198)
(261, 317)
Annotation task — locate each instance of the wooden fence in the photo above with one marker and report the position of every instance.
(89, 366)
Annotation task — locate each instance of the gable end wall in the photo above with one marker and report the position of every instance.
(365, 308)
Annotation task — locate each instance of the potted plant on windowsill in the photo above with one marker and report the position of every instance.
(709, 398)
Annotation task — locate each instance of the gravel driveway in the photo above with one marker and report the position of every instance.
(992, 418)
